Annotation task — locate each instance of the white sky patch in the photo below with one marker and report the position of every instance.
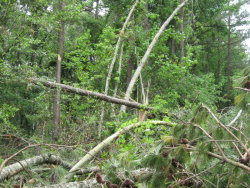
(102, 10)
(246, 27)
(50, 8)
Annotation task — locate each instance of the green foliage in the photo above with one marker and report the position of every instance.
(157, 162)
(177, 85)
(6, 113)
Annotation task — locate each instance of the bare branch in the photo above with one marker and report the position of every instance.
(212, 139)
(244, 89)
(229, 161)
(93, 94)
(225, 128)
(235, 119)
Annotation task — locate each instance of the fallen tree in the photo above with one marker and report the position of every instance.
(79, 172)
(103, 144)
(15, 168)
(93, 94)
(137, 175)
(91, 183)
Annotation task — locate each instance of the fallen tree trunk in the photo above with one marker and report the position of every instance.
(138, 175)
(91, 183)
(103, 144)
(93, 94)
(15, 168)
(79, 172)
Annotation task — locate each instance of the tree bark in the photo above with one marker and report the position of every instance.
(103, 144)
(15, 168)
(97, 8)
(96, 95)
(130, 68)
(117, 82)
(172, 48)
(146, 55)
(57, 99)
(228, 66)
(138, 175)
(182, 44)
(91, 183)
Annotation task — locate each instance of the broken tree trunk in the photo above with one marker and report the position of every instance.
(15, 168)
(57, 98)
(147, 53)
(105, 143)
(96, 95)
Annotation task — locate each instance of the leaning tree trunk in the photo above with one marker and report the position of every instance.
(111, 67)
(105, 143)
(146, 55)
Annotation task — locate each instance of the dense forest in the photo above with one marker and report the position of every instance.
(124, 93)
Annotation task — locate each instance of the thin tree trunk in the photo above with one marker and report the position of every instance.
(172, 48)
(103, 144)
(111, 67)
(182, 44)
(117, 82)
(146, 55)
(97, 8)
(130, 67)
(96, 95)
(117, 48)
(218, 67)
(228, 68)
(57, 99)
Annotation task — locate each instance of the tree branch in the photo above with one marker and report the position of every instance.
(225, 128)
(244, 89)
(93, 94)
(235, 119)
